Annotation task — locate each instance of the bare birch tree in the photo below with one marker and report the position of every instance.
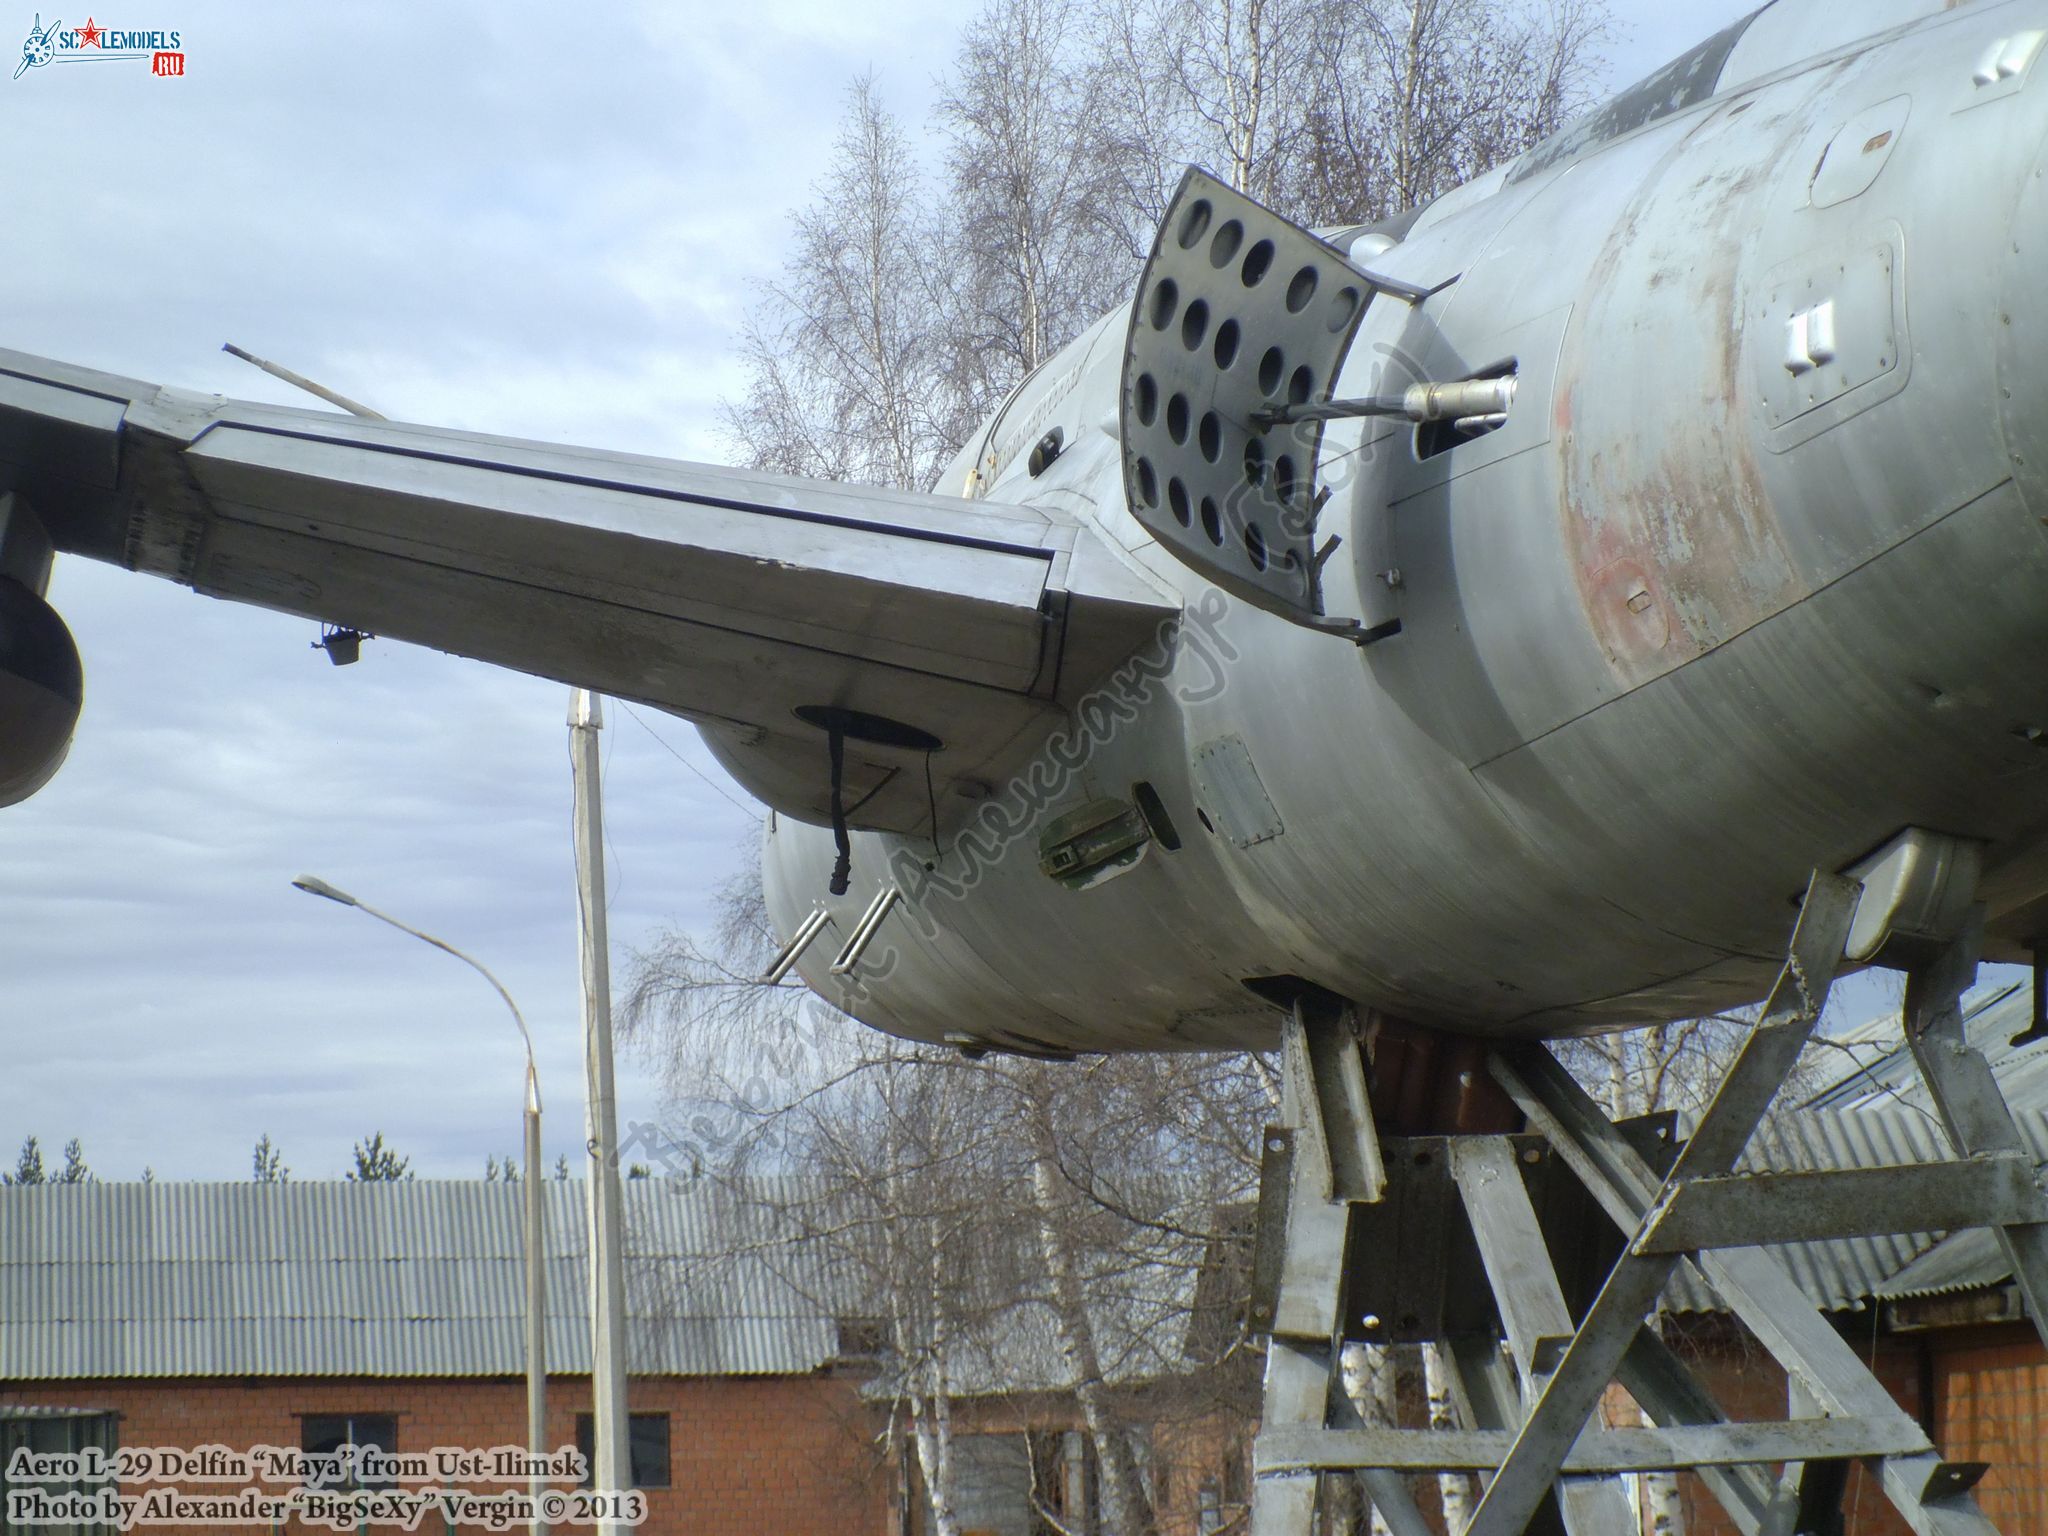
(1224, 84)
(922, 1168)
(846, 355)
(1035, 260)
(1414, 97)
(1336, 111)
(911, 303)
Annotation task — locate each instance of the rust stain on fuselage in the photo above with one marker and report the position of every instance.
(1674, 543)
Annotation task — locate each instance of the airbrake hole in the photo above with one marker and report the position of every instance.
(1283, 477)
(1255, 546)
(1257, 262)
(875, 730)
(1165, 299)
(1194, 224)
(1223, 249)
(1271, 366)
(1226, 344)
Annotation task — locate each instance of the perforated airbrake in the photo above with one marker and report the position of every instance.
(1241, 324)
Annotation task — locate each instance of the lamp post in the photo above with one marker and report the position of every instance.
(536, 1230)
(611, 1470)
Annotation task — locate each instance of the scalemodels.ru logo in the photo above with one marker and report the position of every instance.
(93, 43)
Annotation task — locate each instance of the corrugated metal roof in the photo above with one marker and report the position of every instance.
(426, 1278)
(390, 1279)
(1964, 1261)
(1872, 1066)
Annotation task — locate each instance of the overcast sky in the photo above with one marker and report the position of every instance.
(525, 220)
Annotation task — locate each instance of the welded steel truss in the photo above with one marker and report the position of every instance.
(1530, 1368)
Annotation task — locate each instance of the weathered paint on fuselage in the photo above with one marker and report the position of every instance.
(1672, 638)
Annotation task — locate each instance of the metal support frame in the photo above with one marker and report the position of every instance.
(1334, 1160)
(1528, 1392)
(1972, 1110)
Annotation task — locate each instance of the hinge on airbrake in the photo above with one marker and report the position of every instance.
(1241, 325)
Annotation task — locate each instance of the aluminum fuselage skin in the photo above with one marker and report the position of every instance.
(1694, 623)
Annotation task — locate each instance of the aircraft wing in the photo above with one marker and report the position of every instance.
(732, 598)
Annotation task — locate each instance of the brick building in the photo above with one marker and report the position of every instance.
(301, 1314)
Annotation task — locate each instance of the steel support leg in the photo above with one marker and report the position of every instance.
(1596, 1351)
(1932, 1495)
(1541, 1462)
(1336, 1159)
(1532, 1306)
(1966, 1095)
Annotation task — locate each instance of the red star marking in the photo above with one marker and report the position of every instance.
(89, 35)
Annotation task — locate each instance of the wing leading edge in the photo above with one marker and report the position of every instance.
(732, 598)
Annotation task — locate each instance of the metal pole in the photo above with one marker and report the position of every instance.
(536, 1296)
(536, 1220)
(612, 1470)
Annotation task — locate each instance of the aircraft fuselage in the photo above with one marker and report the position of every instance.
(1752, 578)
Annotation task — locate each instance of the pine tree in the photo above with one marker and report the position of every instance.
(75, 1171)
(377, 1164)
(28, 1168)
(268, 1163)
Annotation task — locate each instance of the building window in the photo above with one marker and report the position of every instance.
(327, 1434)
(62, 1430)
(862, 1338)
(647, 1443)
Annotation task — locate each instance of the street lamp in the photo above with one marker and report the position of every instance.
(536, 1230)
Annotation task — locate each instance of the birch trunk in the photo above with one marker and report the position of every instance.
(931, 1417)
(1123, 1503)
(931, 1421)
(1367, 1373)
(1453, 1488)
(1663, 1508)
